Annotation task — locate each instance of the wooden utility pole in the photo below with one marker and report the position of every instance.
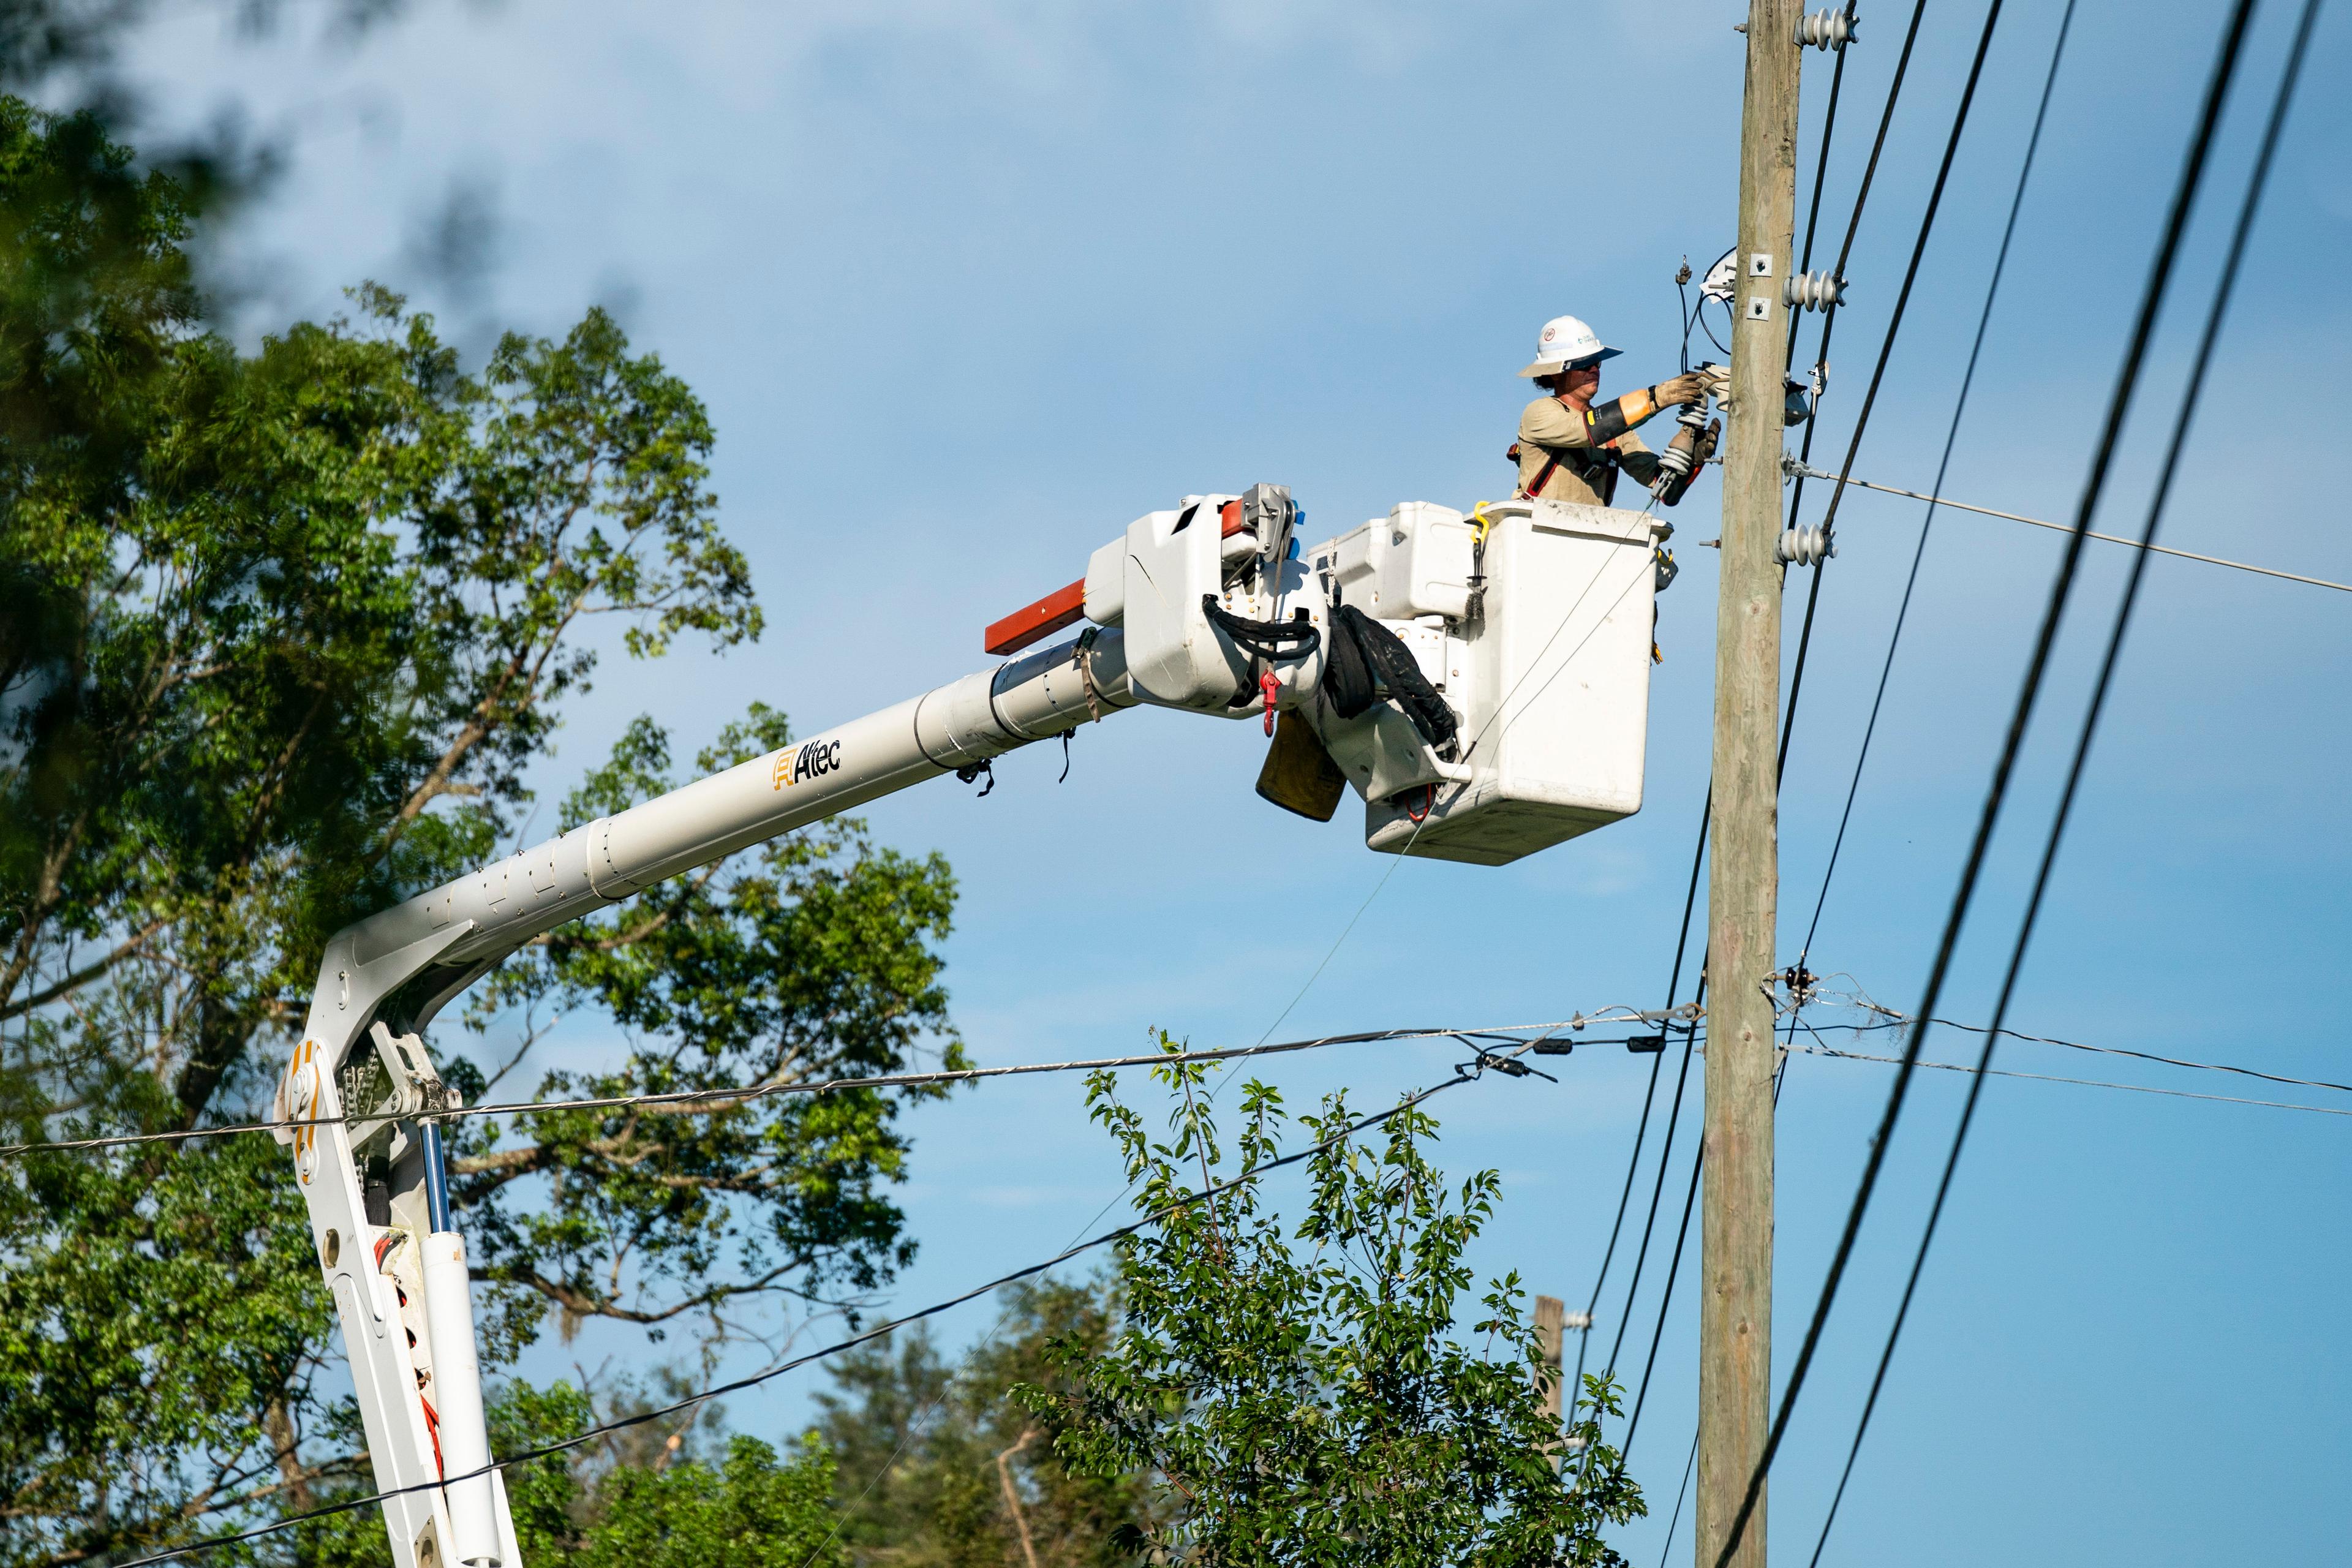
(1743, 881)
(1551, 1321)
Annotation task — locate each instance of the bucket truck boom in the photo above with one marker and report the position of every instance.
(1501, 662)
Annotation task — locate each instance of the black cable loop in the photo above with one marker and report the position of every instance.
(1267, 640)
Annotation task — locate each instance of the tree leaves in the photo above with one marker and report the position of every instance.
(919, 1444)
(299, 625)
(1301, 1392)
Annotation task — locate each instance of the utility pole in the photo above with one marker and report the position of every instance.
(1743, 881)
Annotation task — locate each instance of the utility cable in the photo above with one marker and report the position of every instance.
(2143, 1056)
(1830, 1051)
(2216, 314)
(1633, 1162)
(1698, 852)
(1665, 1156)
(1845, 249)
(1944, 501)
(1822, 163)
(1943, 467)
(547, 1450)
(1821, 346)
(731, 1098)
(2061, 591)
(1666, 1299)
(1878, 373)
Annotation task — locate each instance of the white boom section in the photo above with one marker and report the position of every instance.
(1530, 622)
(399, 1282)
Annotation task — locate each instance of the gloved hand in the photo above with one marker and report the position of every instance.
(1708, 443)
(1687, 388)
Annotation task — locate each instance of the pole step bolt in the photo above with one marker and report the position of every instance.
(1826, 30)
(1813, 291)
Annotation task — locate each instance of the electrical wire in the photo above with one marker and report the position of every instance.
(1676, 1518)
(731, 1098)
(1666, 1299)
(1822, 163)
(1666, 1156)
(1633, 1162)
(1854, 225)
(1943, 467)
(1698, 853)
(547, 1450)
(1944, 501)
(2062, 590)
(1822, 352)
(2146, 1057)
(2079, 1082)
(1878, 372)
(2216, 314)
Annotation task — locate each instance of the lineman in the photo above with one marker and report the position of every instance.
(1571, 451)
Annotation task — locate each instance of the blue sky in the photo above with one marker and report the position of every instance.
(968, 287)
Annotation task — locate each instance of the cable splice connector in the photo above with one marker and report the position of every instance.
(1826, 29)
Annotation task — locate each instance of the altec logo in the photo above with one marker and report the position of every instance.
(814, 759)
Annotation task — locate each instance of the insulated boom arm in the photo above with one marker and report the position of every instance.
(1209, 607)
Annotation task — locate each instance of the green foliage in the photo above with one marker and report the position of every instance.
(803, 960)
(584, 1508)
(919, 1445)
(294, 628)
(1300, 1395)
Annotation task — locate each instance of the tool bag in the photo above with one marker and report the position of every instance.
(1366, 661)
(1298, 775)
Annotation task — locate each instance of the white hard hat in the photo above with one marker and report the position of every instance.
(1566, 341)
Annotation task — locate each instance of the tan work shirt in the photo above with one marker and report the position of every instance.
(1585, 475)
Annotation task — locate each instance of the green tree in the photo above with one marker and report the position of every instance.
(926, 1451)
(590, 1507)
(295, 629)
(1300, 1395)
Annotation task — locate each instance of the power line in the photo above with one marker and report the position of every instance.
(1821, 355)
(1666, 1299)
(1633, 1162)
(2136, 1055)
(1830, 1051)
(1665, 1157)
(1821, 164)
(1698, 853)
(2062, 590)
(1944, 501)
(730, 1099)
(1878, 372)
(1698, 850)
(1943, 465)
(1796, 501)
(547, 1450)
(2218, 310)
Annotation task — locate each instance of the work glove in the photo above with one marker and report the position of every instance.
(1708, 443)
(1687, 388)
